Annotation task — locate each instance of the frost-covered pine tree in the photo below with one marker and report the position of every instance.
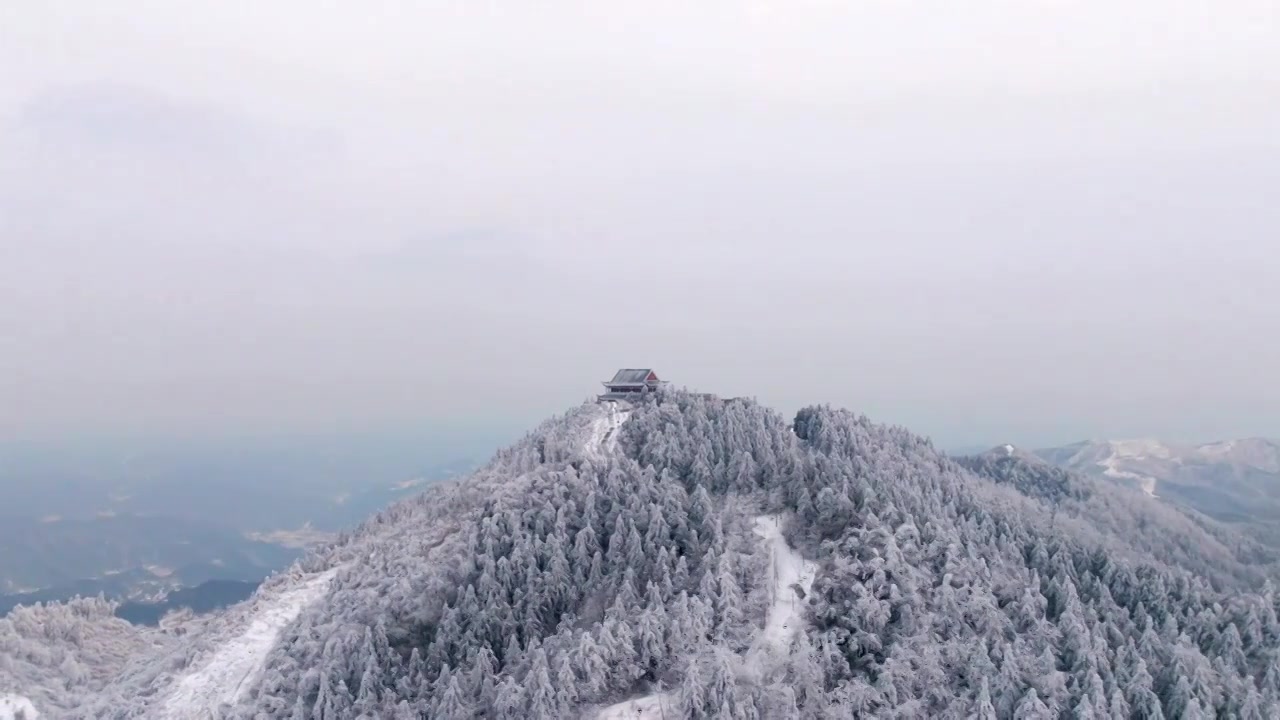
(453, 702)
(544, 703)
(1032, 708)
(693, 690)
(983, 709)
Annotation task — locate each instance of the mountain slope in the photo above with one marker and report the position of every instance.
(57, 657)
(1235, 481)
(1172, 535)
(239, 660)
(617, 557)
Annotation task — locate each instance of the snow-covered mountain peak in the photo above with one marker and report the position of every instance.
(1236, 481)
(684, 557)
(1259, 453)
(1010, 451)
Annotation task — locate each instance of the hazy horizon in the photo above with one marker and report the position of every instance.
(443, 442)
(1031, 222)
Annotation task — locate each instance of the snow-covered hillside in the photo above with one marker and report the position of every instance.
(790, 579)
(642, 561)
(1147, 462)
(1133, 452)
(237, 661)
(55, 656)
(603, 437)
(1236, 482)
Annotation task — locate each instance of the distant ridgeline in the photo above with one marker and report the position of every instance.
(203, 598)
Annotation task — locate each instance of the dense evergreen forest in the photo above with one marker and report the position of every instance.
(568, 575)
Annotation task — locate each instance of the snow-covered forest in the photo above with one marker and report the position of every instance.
(57, 656)
(699, 558)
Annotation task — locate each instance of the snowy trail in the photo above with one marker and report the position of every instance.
(227, 675)
(649, 707)
(1145, 483)
(11, 705)
(604, 432)
(789, 571)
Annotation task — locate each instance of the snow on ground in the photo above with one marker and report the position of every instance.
(11, 705)
(649, 707)
(788, 571)
(1145, 482)
(603, 439)
(230, 672)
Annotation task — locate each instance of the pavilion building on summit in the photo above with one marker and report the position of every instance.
(631, 384)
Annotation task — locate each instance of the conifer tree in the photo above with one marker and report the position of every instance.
(983, 709)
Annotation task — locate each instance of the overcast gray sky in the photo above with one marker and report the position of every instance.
(1033, 220)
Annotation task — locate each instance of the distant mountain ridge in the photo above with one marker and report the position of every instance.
(203, 598)
(1235, 481)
